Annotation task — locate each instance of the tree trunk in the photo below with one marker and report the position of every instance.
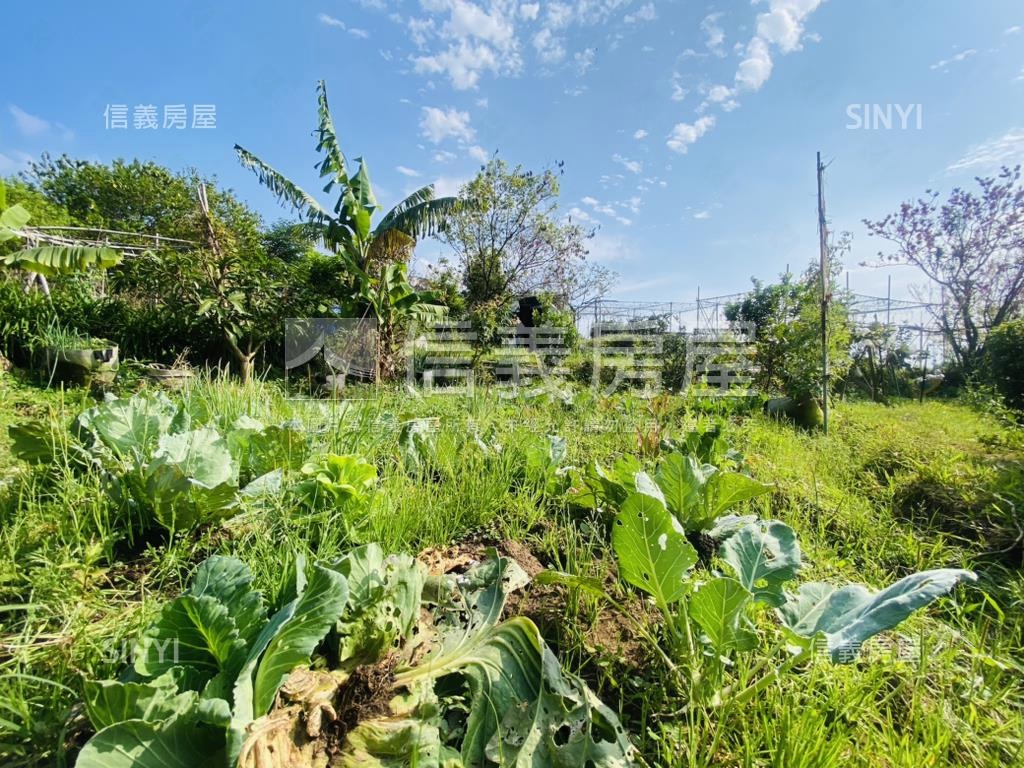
(244, 359)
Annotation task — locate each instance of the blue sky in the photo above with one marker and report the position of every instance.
(688, 129)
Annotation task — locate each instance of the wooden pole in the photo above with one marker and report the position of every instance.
(825, 285)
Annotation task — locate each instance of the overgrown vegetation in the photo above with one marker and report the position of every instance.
(601, 576)
(691, 679)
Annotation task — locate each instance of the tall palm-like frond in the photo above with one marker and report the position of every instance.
(375, 258)
(421, 195)
(333, 164)
(284, 189)
(419, 215)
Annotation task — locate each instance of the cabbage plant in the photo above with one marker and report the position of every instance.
(712, 615)
(697, 494)
(164, 470)
(222, 677)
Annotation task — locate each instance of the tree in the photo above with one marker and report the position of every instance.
(973, 247)
(787, 322)
(508, 240)
(375, 256)
(136, 196)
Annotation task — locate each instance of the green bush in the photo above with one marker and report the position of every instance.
(22, 317)
(1004, 357)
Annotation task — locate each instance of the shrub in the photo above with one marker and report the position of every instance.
(1004, 357)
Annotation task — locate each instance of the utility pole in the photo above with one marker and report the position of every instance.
(888, 303)
(696, 328)
(825, 289)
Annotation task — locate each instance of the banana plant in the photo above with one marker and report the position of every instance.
(41, 262)
(375, 256)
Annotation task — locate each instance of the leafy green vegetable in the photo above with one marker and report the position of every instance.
(176, 742)
(292, 642)
(191, 479)
(764, 555)
(260, 449)
(334, 480)
(417, 446)
(109, 701)
(127, 426)
(653, 553)
(696, 493)
(383, 607)
(719, 607)
(847, 616)
(222, 683)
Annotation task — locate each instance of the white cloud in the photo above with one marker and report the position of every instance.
(714, 35)
(559, 15)
(719, 93)
(470, 20)
(702, 215)
(606, 210)
(444, 156)
(331, 21)
(412, 174)
(478, 153)
(584, 60)
(420, 30)
(440, 124)
(462, 63)
(1008, 149)
(473, 40)
(482, 102)
(756, 68)
(956, 59)
(640, 133)
(633, 166)
(466, 40)
(645, 12)
(678, 92)
(549, 47)
(685, 134)
(579, 214)
(782, 26)
(29, 125)
(529, 11)
(448, 186)
(1014, 30)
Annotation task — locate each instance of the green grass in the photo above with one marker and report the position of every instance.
(889, 491)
